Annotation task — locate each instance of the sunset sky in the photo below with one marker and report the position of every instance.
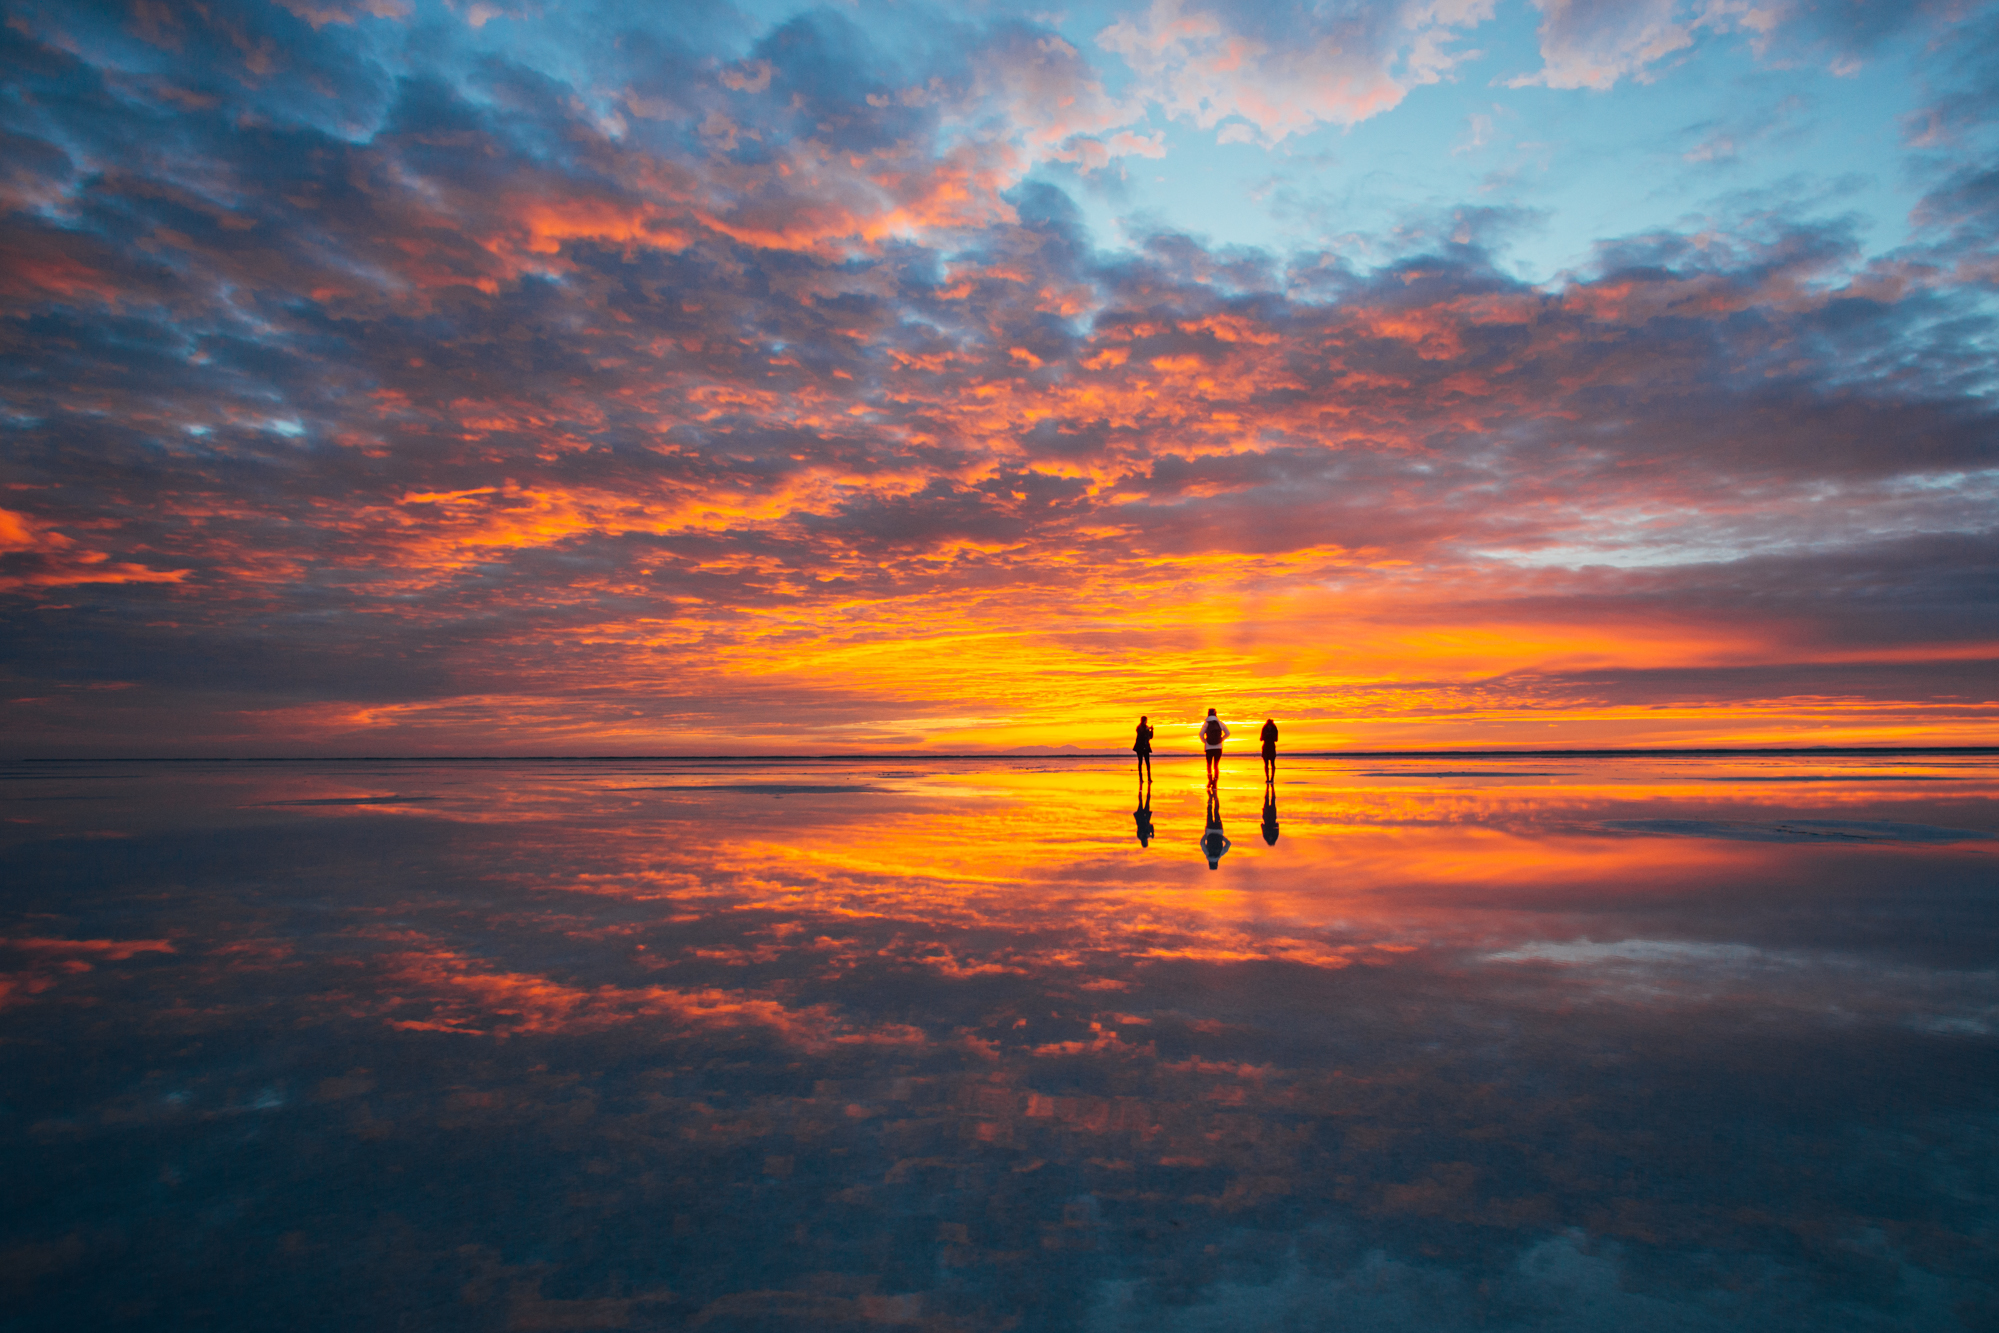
(394, 377)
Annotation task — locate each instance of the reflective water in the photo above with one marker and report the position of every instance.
(1537, 1043)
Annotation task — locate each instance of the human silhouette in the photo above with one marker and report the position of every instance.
(1214, 843)
(1213, 732)
(1143, 818)
(1141, 745)
(1270, 816)
(1269, 738)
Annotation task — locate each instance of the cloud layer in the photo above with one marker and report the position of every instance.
(383, 378)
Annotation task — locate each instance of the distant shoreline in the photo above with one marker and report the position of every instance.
(991, 755)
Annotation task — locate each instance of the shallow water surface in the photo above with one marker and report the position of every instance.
(1550, 1043)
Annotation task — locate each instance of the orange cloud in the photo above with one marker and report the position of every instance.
(34, 555)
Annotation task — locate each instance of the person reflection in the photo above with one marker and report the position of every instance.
(1214, 843)
(1270, 815)
(1141, 745)
(1143, 818)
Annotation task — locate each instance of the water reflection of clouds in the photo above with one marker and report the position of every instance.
(1801, 830)
(958, 1043)
(1807, 985)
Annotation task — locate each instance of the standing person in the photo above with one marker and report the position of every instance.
(1141, 745)
(1213, 732)
(1269, 738)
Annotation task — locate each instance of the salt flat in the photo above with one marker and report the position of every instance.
(1537, 1042)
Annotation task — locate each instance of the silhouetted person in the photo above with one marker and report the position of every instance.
(1213, 732)
(1269, 738)
(1213, 841)
(1143, 818)
(1141, 745)
(1270, 816)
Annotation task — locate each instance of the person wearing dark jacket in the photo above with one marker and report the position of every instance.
(1269, 738)
(1141, 746)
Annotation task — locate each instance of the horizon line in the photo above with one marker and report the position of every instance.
(1023, 753)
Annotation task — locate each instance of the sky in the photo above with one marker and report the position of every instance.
(389, 377)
